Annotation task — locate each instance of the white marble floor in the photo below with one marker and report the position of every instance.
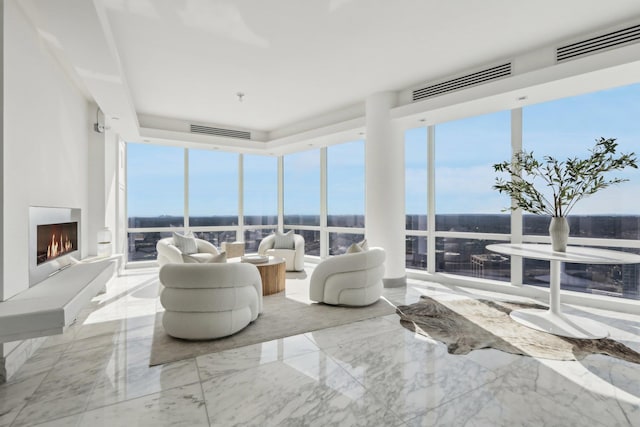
(369, 373)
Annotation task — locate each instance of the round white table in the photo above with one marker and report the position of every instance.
(554, 320)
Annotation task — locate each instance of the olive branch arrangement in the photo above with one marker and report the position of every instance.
(566, 182)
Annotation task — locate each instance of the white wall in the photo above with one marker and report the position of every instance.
(103, 163)
(44, 141)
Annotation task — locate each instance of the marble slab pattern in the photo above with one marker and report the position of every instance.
(251, 356)
(412, 374)
(309, 390)
(129, 381)
(182, 406)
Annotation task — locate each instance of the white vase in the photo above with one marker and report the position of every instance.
(559, 232)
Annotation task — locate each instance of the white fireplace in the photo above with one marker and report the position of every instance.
(54, 240)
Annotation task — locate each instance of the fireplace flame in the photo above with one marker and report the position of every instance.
(58, 247)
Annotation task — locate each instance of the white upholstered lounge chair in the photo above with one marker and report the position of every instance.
(206, 301)
(294, 256)
(350, 279)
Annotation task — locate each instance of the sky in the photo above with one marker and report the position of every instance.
(465, 151)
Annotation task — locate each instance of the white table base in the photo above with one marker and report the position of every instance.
(553, 320)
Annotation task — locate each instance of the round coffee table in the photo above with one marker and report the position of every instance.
(273, 275)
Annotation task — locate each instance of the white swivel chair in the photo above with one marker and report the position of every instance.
(168, 252)
(351, 279)
(294, 257)
(206, 301)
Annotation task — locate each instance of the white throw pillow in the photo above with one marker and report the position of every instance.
(364, 245)
(284, 241)
(354, 249)
(186, 243)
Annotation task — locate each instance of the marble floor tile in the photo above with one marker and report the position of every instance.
(535, 394)
(41, 362)
(309, 390)
(66, 388)
(602, 388)
(15, 394)
(331, 337)
(122, 380)
(71, 421)
(251, 356)
(182, 406)
(113, 333)
(412, 374)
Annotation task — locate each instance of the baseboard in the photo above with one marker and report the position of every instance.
(394, 282)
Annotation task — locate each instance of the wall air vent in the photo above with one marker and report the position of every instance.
(229, 133)
(598, 44)
(473, 79)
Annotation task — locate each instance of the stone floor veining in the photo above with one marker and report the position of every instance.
(368, 373)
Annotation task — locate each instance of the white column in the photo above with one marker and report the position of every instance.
(431, 199)
(516, 216)
(324, 235)
(240, 231)
(385, 216)
(281, 193)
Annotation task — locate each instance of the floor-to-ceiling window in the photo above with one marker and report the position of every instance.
(611, 218)
(345, 195)
(324, 193)
(468, 211)
(260, 205)
(302, 197)
(213, 195)
(155, 197)
(416, 198)
(470, 214)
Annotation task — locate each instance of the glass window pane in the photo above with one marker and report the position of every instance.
(465, 153)
(311, 241)
(415, 163)
(302, 188)
(252, 238)
(621, 280)
(568, 128)
(416, 252)
(142, 246)
(469, 257)
(155, 186)
(260, 190)
(213, 188)
(340, 242)
(216, 237)
(345, 185)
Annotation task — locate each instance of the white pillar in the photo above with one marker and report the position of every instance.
(385, 216)
(516, 216)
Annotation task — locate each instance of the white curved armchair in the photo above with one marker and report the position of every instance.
(350, 279)
(168, 252)
(205, 301)
(293, 257)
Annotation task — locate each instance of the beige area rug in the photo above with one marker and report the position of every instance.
(282, 316)
(467, 324)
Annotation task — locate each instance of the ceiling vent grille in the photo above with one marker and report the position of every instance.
(473, 79)
(600, 43)
(229, 133)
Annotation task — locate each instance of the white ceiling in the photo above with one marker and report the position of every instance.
(293, 59)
